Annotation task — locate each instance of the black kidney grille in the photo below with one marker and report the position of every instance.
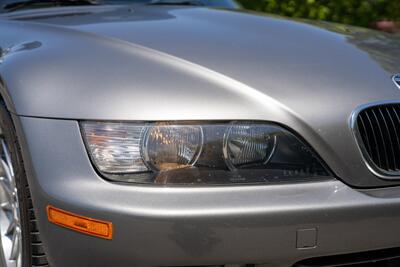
(379, 131)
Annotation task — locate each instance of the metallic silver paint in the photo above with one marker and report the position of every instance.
(134, 63)
(173, 63)
(175, 226)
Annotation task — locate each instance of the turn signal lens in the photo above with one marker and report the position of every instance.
(115, 147)
(79, 223)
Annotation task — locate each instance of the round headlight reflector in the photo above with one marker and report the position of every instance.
(248, 145)
(168, 147)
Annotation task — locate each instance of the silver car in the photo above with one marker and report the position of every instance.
(171, 133)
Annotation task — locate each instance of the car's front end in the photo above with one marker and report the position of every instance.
(167, 135)
(277, 224)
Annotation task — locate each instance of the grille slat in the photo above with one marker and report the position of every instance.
(364, 130)
(395, 136)
(397, 126)
(381, 140)
(375, 143)
(378, 130)
(388, 137)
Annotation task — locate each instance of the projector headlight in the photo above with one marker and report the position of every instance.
(199, 153)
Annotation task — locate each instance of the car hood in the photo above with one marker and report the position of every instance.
(191, 63)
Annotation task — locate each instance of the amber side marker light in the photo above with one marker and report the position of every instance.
(79, 223)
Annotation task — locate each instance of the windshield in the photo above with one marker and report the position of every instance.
(14, 5)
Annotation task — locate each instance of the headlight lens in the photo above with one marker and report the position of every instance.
(169, 147)
(246, 145)
(199, 153)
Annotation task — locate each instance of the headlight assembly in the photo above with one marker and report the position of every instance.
(199, 153)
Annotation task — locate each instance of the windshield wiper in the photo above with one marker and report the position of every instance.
(31, 3)
(177, 2)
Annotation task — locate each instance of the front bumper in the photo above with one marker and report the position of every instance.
(274, 225)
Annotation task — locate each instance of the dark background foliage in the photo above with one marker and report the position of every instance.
(356, 12)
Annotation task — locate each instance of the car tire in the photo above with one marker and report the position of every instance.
(30, 246)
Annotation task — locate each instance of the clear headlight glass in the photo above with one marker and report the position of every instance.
(169, 147)
(199, 153)
(246, 145)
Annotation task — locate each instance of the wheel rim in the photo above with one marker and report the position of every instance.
(10, 223)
